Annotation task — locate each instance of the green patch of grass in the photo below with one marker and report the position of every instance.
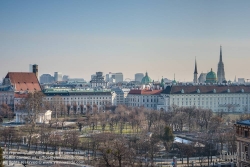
(116, 129)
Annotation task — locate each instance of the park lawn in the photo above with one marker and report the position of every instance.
(126, 130)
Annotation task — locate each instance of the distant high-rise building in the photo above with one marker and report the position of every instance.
(118, 77)
(58, 76)
(30, 67)
(65, 78)
(114, 77)
(220, 71)
(98, 80)
(241, 80)
(195, 73)
(109, 77)
(46, 78)
(139, 76)
(93, 76)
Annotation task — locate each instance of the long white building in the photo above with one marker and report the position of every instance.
(229, 98)
(71, 96)
(120, 96)
(147, 98)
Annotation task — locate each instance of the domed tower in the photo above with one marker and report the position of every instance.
(174, 81)
(211, 77)
(146, 79)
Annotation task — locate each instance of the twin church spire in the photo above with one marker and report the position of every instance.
(220, 71)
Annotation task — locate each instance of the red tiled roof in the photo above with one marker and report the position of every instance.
(24, 81)
(145, 92)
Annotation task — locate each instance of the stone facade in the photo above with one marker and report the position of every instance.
(229, 98)
(242, 129)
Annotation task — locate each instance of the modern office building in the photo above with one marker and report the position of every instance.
(118, 77)
(114, 77)
(58, 76)
(46, 78)
(65, 78)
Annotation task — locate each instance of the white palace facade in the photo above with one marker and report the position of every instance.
(228, 98)
(79, 97)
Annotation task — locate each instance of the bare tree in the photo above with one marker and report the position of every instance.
(151, 117)
(5, 111)
(81, 108)
(32, 105)
(73, 139)
(187, 149)
(68, 109)
(114, 149)
(54, 140)
(75, 107)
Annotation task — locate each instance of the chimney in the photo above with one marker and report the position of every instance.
(35, 69)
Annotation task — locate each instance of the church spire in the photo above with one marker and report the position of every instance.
(220, 71)
(195, 73)
(220, 53)
(195, 67)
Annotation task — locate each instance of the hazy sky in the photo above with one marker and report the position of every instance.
(80, 37)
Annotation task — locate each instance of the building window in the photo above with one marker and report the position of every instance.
(246, 134)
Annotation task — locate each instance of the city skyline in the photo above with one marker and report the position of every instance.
(79, 38)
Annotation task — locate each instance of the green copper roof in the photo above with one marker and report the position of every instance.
(162, 82)
(146, 80)
(211, 77)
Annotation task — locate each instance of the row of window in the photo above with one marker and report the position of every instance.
(56, 98)
(211, 98)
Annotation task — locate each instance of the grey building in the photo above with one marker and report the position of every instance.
(65, 78)
(139, 76)
(46, 78)
(118, 77)
(98, 80)
(58, 76)
(120, 96)
(114, 77)
(202, 78)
